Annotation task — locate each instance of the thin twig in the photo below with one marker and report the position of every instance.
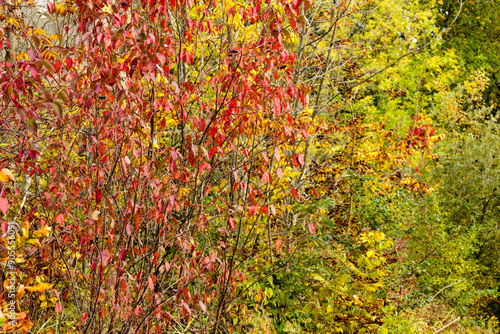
(448, 286)
(451, 323)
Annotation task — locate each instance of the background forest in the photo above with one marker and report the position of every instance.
(268, 166)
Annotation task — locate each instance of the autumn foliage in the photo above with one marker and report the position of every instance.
(197, 166)
(143, 149)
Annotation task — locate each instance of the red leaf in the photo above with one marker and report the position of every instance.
(32, 154)
(161, 58)
(212, 151)
(264, 209)
(312, 229)
(204, 166)
(84, 317)
(301, 159)
(122, 254)
(294, 193)
(273, 209)
(69, 62)
(58, 308)
(203, 306)
(207, 189)
(251, 209)
(266, 159)
(129, 228)
(31, 54)
(210, 25)
(57, 66)
(232, 223)
(279, 171)
(133, 66)
(278, 245)
(151, 284)
(288, 133)
(265, 177)
(138, 310)
(277, 154)
(186, 307)
(152, 67)
(98, 196)
(100, 38)
(4, 205)
(33, 70)
(60, 219)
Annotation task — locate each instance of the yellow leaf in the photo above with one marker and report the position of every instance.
(25, 230)
(317, 277)
(39, 31)
(12, 21)
(55, 37)
(61, 9)
(379, 236)
(39, 287)
(22, 56)
(43, 232)
(183, 192)
(107, 9)
(6, 175)
(34, 242)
